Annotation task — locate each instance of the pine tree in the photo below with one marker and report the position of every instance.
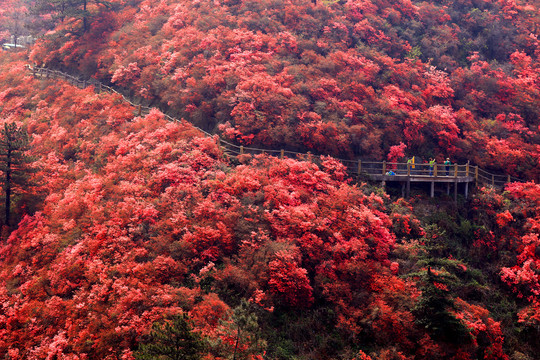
(65, 9)
(433, 311)
(245, 332)
(14, 163)
(172, 340)
(435, 307)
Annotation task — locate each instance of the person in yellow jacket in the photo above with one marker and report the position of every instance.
(431, 166)
(410, 164)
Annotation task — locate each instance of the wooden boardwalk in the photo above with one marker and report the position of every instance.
(360, 170)
(451, 175)
(423, 173)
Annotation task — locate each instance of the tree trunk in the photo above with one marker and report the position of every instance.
(8, 188)
(85, 20)
(236, 344)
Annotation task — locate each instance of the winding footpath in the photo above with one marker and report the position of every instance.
(358, 169)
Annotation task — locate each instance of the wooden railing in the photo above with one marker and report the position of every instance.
(417, 170)
(356, 168)
(440, 172)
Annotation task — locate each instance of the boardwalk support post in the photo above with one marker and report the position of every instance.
(432, 193)
(282, 154)
(241, 150)
(408, 192)
(359, 167)
(139, 110)
(383, 184)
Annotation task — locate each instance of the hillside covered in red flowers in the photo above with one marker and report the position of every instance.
(121, 222)
(133, 219)
(343, 78)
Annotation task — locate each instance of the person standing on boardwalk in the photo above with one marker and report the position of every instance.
(431, 166)
(410, 164)
(447, 163)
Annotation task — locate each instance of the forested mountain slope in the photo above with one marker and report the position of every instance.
(346, 78)
(123, 221)
(134, 219)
